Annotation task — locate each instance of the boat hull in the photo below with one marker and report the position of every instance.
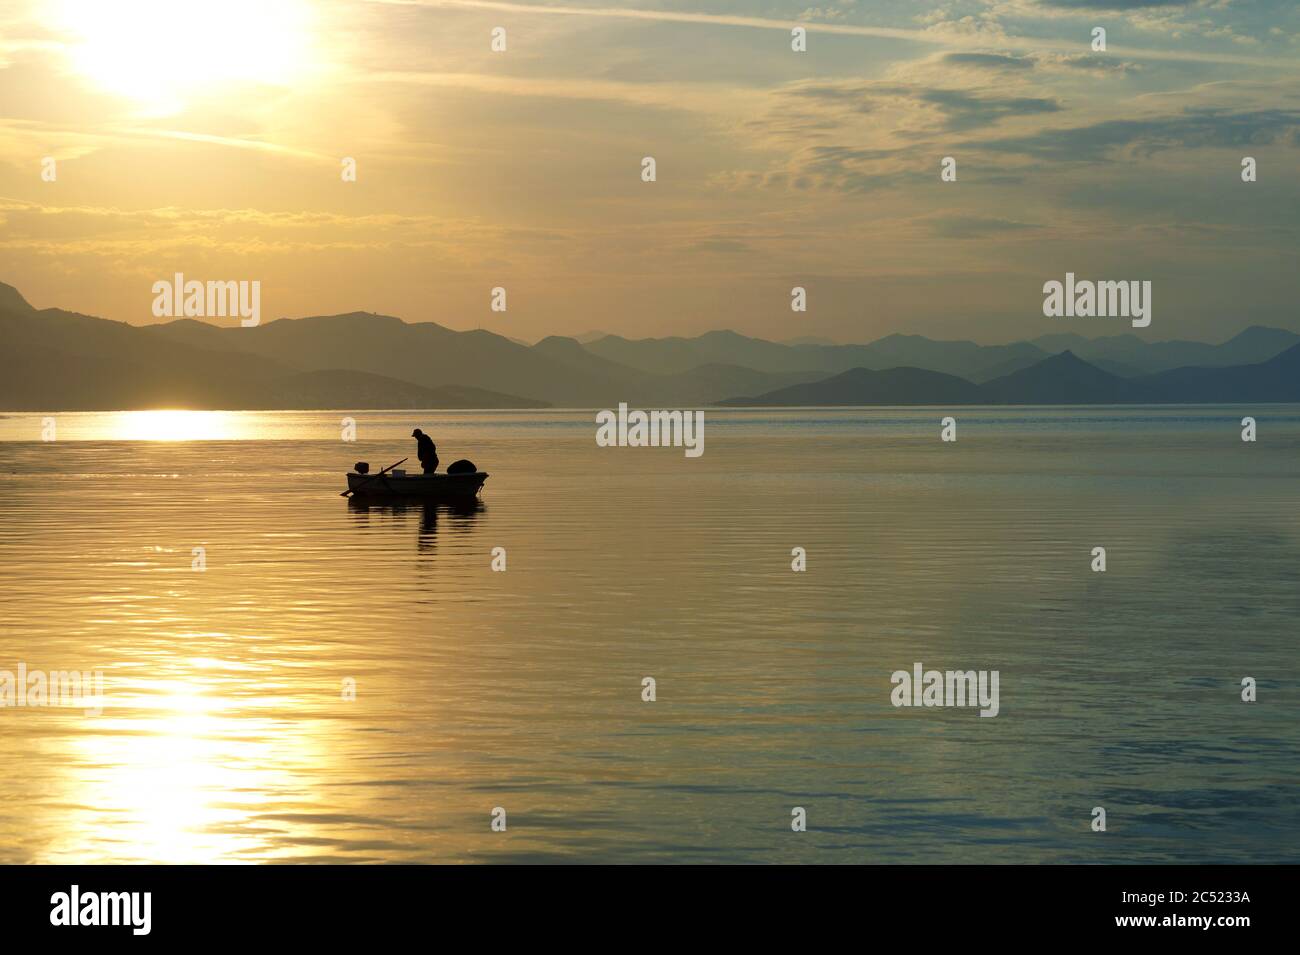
(447, 487)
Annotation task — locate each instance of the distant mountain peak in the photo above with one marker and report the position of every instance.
(725, 333)
(561, 345)
(1262, 333)
(357, 316)
(11, 300)
(1062, 362)
(808, 340)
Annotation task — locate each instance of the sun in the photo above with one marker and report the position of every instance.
(165, 53)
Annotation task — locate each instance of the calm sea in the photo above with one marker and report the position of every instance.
(226, 736)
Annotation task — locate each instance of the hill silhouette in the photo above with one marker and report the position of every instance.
(55, 360)
(1063, 379)
(865, 386)
(58, 360)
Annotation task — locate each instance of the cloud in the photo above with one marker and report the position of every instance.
(1050, 62)
(721, 245)
(1086, 62)
(964, 110)
(827, 167)
(109, 230)
(975, 227)
(1192, 129)
(992, 61)
(1117, 4)
(955, 109)
(968, 31)
(870, 135)
(965, 29)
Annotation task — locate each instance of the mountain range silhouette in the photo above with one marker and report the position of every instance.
(59, 360)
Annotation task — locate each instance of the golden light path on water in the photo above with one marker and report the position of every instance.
(162, 424)
(170, 425)
(163, 781)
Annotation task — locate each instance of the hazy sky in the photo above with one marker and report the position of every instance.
(207, 137)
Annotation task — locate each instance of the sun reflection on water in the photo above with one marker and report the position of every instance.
(171, 425)
(179, 774)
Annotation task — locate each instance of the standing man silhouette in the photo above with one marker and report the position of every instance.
(426, 451)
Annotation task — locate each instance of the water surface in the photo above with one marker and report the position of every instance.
(225, 736)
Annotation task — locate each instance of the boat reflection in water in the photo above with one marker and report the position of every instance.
(458, 516)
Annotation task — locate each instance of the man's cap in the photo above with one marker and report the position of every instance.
(415, 432)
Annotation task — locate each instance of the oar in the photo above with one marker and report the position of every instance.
(372, 477)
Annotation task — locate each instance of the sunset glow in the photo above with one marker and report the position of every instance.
(162, 54)
(212, 138)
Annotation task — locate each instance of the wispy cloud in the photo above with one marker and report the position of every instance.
(1192, 129)
(965, 33)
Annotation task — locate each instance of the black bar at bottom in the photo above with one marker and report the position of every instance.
(455, 905)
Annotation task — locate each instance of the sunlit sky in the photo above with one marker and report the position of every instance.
(206, 137)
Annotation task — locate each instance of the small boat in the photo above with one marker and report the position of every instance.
(399, 484)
